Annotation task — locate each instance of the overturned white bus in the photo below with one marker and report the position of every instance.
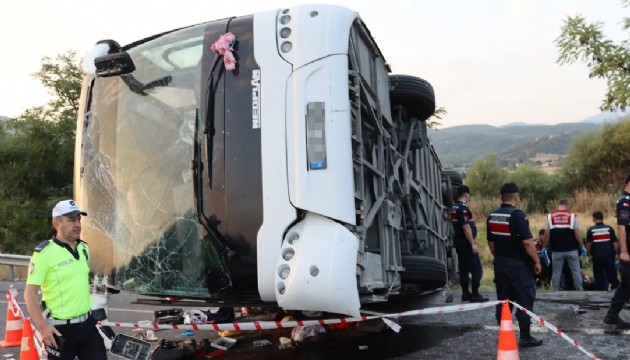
(302, 177)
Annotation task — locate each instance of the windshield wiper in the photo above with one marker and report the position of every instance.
(197, 170)
(209, 115)
(209, 127)
(137, 87)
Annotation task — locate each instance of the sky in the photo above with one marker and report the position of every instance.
(489, 61)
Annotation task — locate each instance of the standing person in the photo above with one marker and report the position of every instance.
(602, 244)
(466, 247)
(622, 294)
(562, 236)
(543, 256)
(515, 259)
(59, 267)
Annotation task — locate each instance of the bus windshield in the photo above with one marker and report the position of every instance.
(137, 144)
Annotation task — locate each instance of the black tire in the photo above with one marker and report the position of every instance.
(427, 272)
(456, 181)
(415, 94)
(447, 192)
(456, 177)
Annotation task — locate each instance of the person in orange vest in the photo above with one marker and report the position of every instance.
(562, 236)
(59, 267)
(602, 244)
(622, 294)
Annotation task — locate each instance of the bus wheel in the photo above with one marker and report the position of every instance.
(427, 272)
(414, 93)
(447, 191)
(456, 181)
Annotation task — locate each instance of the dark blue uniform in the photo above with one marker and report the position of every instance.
(601, 237)
(469, 262)
(622, 294)
(513, 269)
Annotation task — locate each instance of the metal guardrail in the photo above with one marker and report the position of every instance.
(14, 260)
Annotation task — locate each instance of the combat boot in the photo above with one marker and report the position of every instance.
(527, 340)
(612, 317)
(476, 297)
(465, 293)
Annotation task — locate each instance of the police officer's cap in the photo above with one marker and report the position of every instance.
(509, 188)
(67, 208)
(463, 190)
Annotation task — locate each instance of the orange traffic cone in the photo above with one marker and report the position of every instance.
(13, 329)
(507, 338)
(28, 350)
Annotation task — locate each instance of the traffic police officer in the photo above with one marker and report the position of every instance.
(622, 294)
(602, 244)
(59, 267)
(465, 232)
(515, 259)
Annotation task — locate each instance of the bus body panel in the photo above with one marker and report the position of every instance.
(323, 30)
(278, 213)
(328, 191)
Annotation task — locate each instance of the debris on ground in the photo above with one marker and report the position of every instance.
(285, 343)
(222, 315)
(229, 332)
(168, 316)
(578, 310)
(299, 333)
(261, 343)
(223, 343)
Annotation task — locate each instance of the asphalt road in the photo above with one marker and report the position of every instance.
(464, 335)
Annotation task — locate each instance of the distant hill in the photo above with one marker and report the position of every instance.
(461, 145)
(606, 117)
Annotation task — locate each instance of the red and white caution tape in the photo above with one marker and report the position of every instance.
(12, 302)
(266, 325)
(554, 329)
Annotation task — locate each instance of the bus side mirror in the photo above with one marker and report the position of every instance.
(114, 64)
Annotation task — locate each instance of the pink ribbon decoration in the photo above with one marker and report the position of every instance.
(224, 47)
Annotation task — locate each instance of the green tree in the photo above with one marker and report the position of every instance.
(36, 157)
(485, 176)
(585, 42)
(536, 187)
(434, 121)
(598, 160)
